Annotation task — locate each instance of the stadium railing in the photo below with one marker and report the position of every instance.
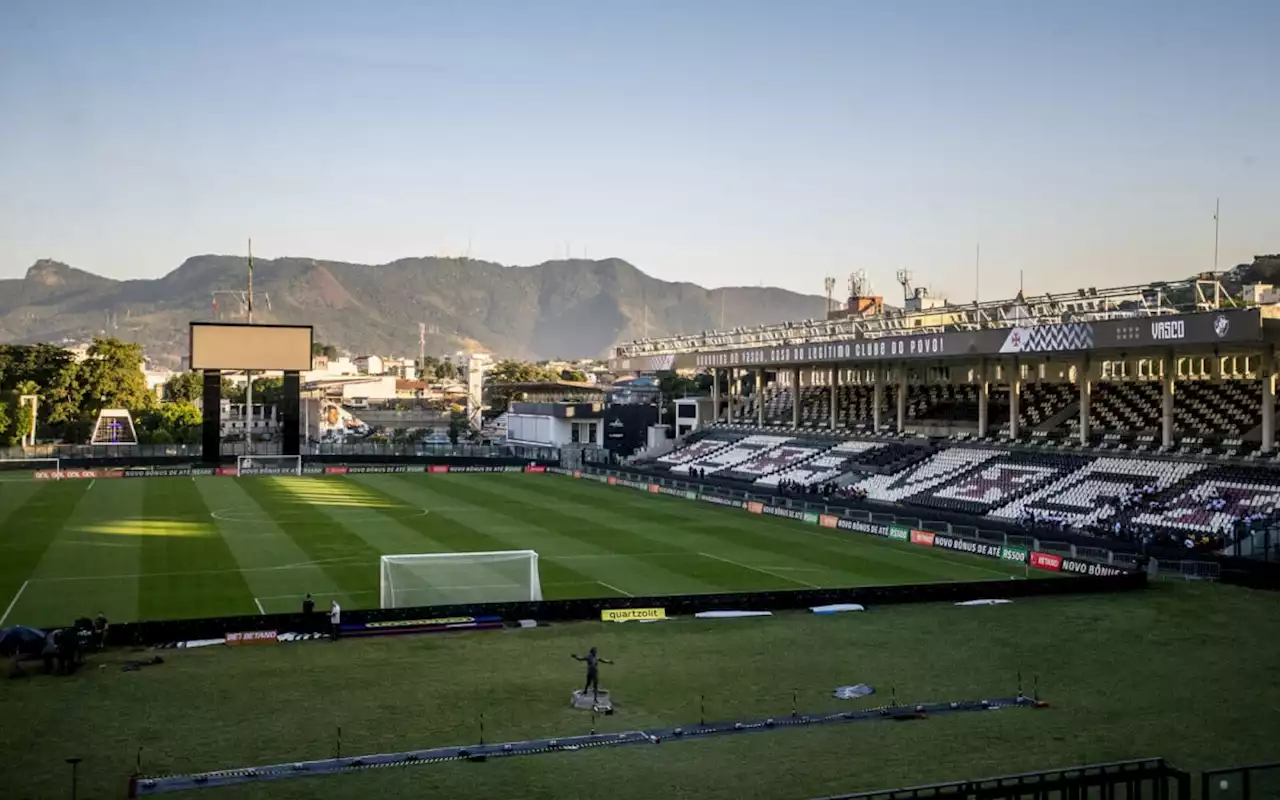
(1241, 783)
(193, 452)
(1138, 779)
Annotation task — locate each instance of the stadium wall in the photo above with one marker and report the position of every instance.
(271, 627)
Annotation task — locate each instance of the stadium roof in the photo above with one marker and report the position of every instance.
(544, 386)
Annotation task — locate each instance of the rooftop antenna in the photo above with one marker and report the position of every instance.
(904, 278)
(422, 347)
(830, 284)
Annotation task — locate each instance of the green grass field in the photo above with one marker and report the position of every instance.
(1186, 671)
(162, 548)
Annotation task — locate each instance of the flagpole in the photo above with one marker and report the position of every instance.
(1217, 208)
(248, 374)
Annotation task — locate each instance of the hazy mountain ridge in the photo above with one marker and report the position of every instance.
(554, 309)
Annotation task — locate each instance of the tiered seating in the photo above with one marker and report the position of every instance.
(1040, 401)
(696, 449)
(815, 407)
(997, 482)
(1222, 409)
(777, 408)
(946, 403)
(939, 469)
(830, 465)
(857, 406)
(1211, 501)
(733, 455)
(1094, 492)
(780, 458)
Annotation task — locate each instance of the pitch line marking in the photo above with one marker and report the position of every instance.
(615, 589)
(301, 565)
(14, 601)
(258, 603)
(761, 570)
(91, 483)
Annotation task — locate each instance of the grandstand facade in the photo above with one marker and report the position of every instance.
(1115, 412)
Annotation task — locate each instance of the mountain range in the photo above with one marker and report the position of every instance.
(557, 309)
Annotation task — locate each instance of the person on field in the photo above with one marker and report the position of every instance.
(335, 621)
(100, 627)
(308, 614)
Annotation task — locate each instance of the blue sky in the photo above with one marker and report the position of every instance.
(726, 143)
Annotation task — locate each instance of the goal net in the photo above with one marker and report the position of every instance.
(448, 579)
(114, 426)
(268, 465)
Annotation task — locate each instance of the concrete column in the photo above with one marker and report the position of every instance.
(1085, 381)
(1015, 398)
(795, 397)
(984, 396)
(877, 397)
(760, 396)
(715, 396)
(835, 394)
(1266, 371)
(902, 397)
(730, 391)
(1169, 368)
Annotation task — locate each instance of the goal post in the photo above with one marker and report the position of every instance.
(452, 579)
(268, 465)
(26, 468)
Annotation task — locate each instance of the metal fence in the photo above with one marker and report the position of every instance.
(1256, 782)
(1142, 779)
(18, 455)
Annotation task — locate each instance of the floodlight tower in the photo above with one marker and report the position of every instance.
(830, 284)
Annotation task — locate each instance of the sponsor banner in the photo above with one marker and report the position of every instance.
(158, 472)
(1077, 567)
(251, 637)
(983, 549)
(670, 491)
(357, 469)
(754, 507)
(561, 471)
(483, 468)
(642, 486)
(335, 470)
(535, 468)
(577, 474)
(406, 626)
(75, 474)
(812, 519)
(922, 538)
(629, 614)
(301, 637)
(612, 481)
(437, 469)
(863, 526)
(202, 472)
(899, 533)
(312, 469)
(690, 495)
(270, 471)
(828, 521)
(788, 513)
(227, 472)
(1011, 553)
(654, 488)
(721, 501)
(1048, 561)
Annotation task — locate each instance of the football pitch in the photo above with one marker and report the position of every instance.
(167, 548)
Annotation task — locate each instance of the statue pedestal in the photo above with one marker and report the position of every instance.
(588, 701)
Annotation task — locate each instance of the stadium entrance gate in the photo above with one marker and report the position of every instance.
(1144, 779)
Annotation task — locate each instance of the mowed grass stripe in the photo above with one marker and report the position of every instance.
(277, 571)
(636, 536)
(186, 566)
(488, 531)
(93, 562)
(872, 559)
(31, 516)
(350, 563)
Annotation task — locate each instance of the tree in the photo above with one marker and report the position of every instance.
(459, 426)
(446, 371)
(510, 371)
(268, 391)
(186, 387)
(327, 350)
(112, 377)
(427, 367)
(576, 375)
(170, 422)
(4, 419)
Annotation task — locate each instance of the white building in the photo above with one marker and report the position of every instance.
(369, 365)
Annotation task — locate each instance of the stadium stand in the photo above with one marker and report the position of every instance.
(722, 458)
(831, 465)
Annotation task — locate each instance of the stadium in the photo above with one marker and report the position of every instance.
(1001, 523)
